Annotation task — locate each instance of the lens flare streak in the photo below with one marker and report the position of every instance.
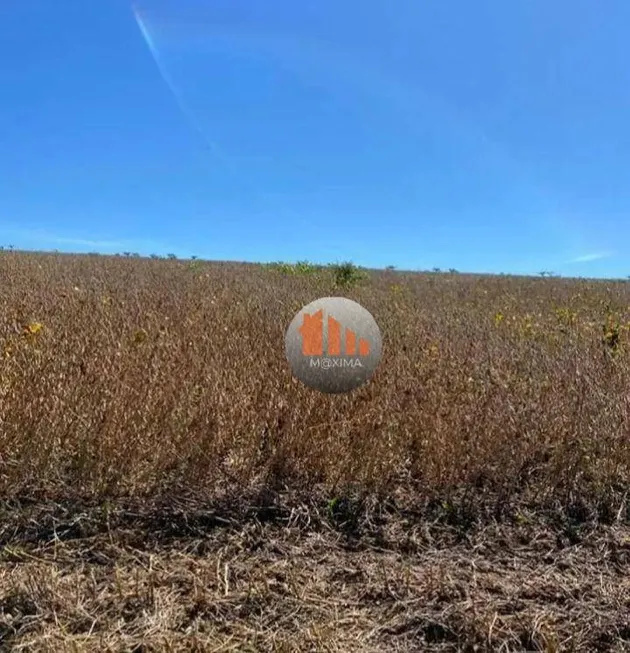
(293, 219)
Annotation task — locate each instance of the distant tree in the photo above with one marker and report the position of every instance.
(172, 257)
(437, 270)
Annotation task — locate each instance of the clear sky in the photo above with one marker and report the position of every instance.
(486, 136)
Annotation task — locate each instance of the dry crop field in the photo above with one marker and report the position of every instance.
(166, 485)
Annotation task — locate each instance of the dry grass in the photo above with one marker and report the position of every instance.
(167, 485)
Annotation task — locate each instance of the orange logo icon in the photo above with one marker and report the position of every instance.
(312, 332)
(333, 345)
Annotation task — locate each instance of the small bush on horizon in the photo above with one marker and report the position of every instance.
(301, 267)
(306, 267)
(347, 273)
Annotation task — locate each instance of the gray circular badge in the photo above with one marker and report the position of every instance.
(333, 345)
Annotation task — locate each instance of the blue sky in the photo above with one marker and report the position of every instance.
(490, 136)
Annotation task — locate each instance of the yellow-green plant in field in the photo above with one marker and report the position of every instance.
(528, 326)
(33, 328)
(434, 350)
(612, 334)
(566, 316)
(140, 336)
